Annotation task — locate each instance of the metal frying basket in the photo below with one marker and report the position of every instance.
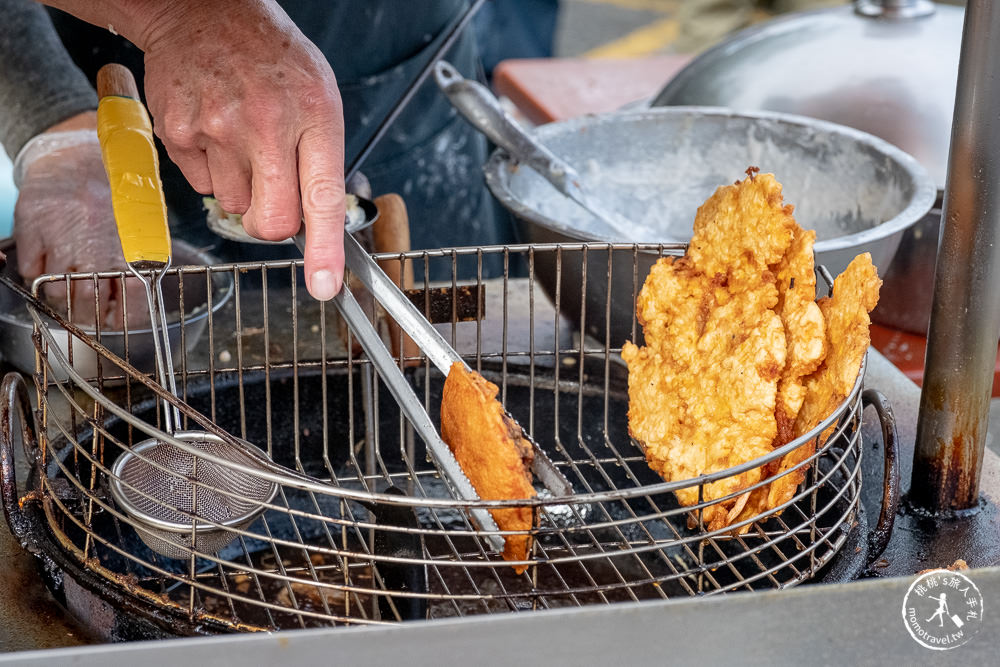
(370, 532)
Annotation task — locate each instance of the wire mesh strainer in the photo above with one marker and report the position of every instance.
(182, 502)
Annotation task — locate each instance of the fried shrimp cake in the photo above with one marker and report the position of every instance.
(492, 451)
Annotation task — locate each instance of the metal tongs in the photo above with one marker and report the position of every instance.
(439, 352)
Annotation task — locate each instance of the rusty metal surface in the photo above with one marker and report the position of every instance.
(920, 541)
(965, 316)
(30, 618)
(880, 535)
(441, 305)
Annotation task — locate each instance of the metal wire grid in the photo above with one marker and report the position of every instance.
(379, 538)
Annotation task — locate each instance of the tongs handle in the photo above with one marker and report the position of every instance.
(433, 344)
(411, 407)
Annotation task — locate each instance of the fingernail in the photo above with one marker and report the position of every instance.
(324, 285)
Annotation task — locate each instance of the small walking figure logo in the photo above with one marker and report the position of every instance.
(941, 610)
(929, 618)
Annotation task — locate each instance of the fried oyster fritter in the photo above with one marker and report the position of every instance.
(703, 389)
(492, 451)
(855, 295)
(743, 230)
(805, 329)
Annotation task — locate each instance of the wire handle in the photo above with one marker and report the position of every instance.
(878, 538)
(130, 158)
(14, 405)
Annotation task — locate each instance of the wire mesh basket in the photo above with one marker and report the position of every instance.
(368, 531)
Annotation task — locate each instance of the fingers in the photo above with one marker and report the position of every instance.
(184, 144)
(321, 175)
(230, 177)
(30, 243)
(86, 309)
(75, 299)
(131, 305)
(275, 212)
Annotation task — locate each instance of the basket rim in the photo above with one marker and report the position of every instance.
(332, 489)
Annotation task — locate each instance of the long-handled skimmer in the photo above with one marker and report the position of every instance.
(482, 109)
(180, 499)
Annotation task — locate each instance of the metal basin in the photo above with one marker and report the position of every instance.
(17, 348)
(657, 166)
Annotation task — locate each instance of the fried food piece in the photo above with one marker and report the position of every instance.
(739, 358)
(743, 229)
(855, 294)
(702, 390)
(805, 329)
(492, 451)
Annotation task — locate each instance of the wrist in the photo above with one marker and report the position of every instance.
(136, 20)
(150, 22)
(86, 120)
(47, 143)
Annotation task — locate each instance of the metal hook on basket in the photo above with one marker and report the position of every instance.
(878, 537)
(15, 408)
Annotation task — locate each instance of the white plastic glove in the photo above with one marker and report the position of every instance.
(63, 223)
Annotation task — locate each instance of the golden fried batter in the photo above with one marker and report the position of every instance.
(742, 230)
(806, 333)
(703, 389)
(804, 328)
(739, 358)
(491, 450)
(855, 294)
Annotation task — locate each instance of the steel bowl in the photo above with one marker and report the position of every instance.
(888, 68)
(657, 166)
(18, 350)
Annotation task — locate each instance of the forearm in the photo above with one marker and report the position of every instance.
(39, 85)
(141, 21)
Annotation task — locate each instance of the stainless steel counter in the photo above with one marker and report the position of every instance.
(858, 623)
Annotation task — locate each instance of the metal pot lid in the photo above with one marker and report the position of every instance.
(889, 68)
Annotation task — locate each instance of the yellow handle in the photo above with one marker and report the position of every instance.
(130, 159)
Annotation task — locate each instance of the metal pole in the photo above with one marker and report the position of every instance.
(965, 318)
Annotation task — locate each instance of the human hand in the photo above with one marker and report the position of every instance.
(249, 110)
(63, 223)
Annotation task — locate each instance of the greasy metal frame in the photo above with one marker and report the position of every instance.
(302, 564)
